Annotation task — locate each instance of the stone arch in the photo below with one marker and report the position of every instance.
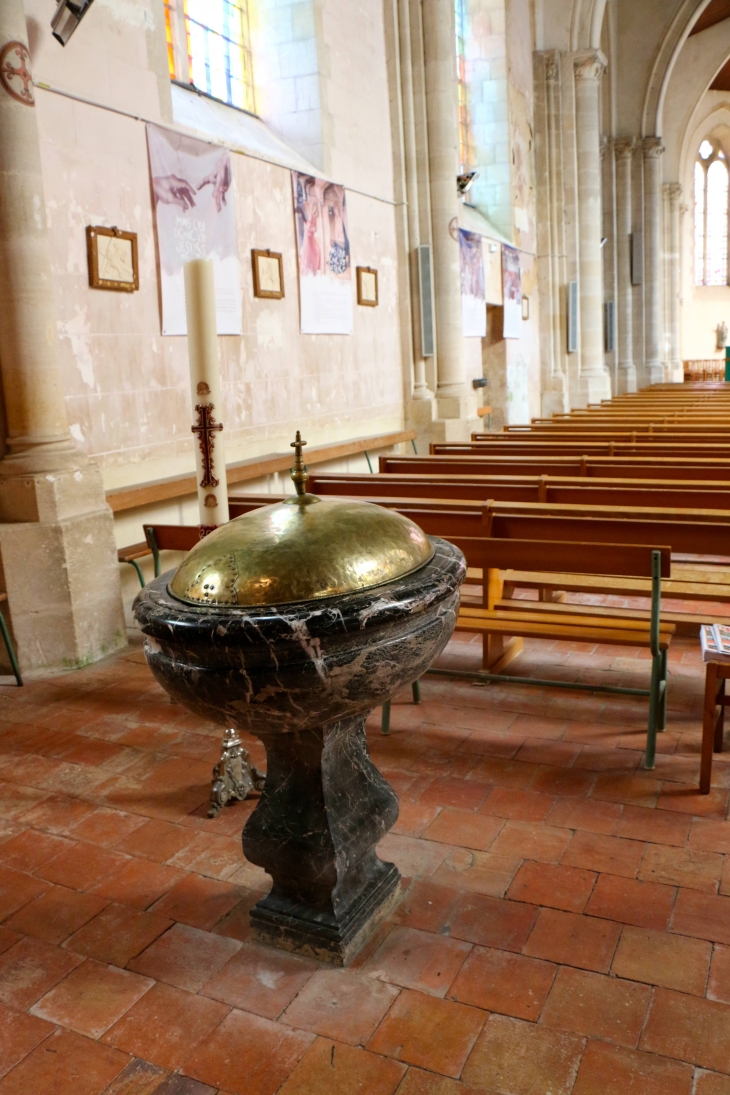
(667, 55)
(693, 72)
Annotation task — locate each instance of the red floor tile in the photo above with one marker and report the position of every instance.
(157, 840)
(521, 1058)
(658, 826)
(585, 815)
(117, 934)
(510, 984)
(687, 800)
(30, 849)
(519, 805)
(341, 1004)
(718, 987)
(705, 916)
(106, 827)
(30, 968)
(140, 883)
(554, 886)
(644, 904)
(91, 998)
(611, 1070)
(16, 890)
(480, 872)
(629, 789)
(212, 856)
(247, 1053)
(55, 914)
(710, 836)
(82, 866)
(521, 839)
(464, 828)
(65, 1064)
(418, 960)
(572, 940)
(333, 1068)
(184, 956)
(19, 1034)
(426, 906)
(597, 1006)
(503, 773)
(260, 979)
(681, 867)
(663, 959)
(688, 1029)
(57, 814)
(166, 1025)
(459, 793)
(428, 1032)
(711, 1083)
(609, 854)
(492, 922)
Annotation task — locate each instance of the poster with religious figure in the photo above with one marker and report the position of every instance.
(196, 219)
(323, 245)
(512, 290)
(471, 264)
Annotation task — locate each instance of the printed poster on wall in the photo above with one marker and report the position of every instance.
(196, 219)
(471, 264)
(323, 244)
(512, 291)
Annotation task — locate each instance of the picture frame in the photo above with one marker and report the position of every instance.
(268, 274)
(367, 286)
(113, 259)
(525, 307)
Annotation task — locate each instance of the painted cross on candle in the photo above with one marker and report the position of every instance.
(204, 430)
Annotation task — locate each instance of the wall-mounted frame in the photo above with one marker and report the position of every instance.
(367, 286)
(268, 274)
(112, 257)
(525, 307)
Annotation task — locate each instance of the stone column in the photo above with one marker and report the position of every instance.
(624, 151)
(589, 67)
(652, 149)
(443, 157)
(56, 531)
(673, 194)
(421, 390)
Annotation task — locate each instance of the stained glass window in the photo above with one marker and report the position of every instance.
(464, 144)
(208, 46)
(711, 215)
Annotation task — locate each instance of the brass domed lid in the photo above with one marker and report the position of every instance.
(305, 548)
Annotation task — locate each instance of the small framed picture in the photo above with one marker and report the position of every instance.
(268, 274)
(367, 286)
(112, 257)
(525, 307)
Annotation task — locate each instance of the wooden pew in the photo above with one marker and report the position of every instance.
(631, 467)
(616, 629)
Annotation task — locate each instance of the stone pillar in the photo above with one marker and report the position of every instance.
(626, 378)
(652, 149)
(421, 391)
(589, 67)
(550, 236)
(673, 194)
(56, 531)
(443, 157)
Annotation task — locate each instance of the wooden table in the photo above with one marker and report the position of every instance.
(712, 721)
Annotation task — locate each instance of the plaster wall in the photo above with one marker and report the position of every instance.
(126, 385)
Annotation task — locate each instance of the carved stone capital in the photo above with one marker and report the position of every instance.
(623, 148)
(552, 64)
(673, 192)
(603, 146)
(652, 148)
(589, 64)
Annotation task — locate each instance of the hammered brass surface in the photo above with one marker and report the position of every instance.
(305, 548)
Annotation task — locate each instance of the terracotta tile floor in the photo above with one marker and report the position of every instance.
(565, 924)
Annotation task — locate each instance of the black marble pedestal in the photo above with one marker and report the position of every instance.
(303, 678)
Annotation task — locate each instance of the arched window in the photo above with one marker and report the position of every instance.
(711, 215)
(208, 47)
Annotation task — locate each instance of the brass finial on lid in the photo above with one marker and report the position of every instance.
(299, 472)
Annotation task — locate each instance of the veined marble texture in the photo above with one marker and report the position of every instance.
(303, 679)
